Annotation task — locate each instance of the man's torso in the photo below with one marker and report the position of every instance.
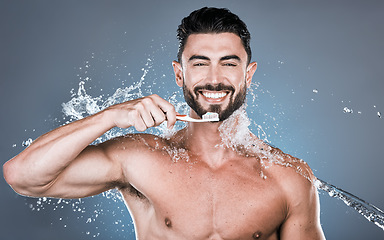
(173, 194)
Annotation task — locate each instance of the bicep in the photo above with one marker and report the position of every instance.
(92, 172)
(303, 220)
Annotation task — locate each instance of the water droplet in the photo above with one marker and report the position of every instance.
(315, 91)
(347, 110)
(27, 142)
(379, 114)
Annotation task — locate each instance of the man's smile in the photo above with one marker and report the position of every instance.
(217, 95)
(214, 93)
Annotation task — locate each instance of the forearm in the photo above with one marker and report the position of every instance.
(60, 163)
(42, 162)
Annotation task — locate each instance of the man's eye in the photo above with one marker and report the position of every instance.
(230, 64)
(199, 64)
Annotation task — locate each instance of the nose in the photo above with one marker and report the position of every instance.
(214, 75)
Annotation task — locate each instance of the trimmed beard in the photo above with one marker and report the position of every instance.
(235, 102)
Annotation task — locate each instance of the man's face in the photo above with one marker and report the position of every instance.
(214, 73)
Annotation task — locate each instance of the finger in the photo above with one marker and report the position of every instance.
(167, 109)
(170, 113)
(147, 118)
(140, 125)
(158, 115)
(150, 105)
(172, 116)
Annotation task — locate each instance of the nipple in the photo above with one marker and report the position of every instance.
(168, 222)
(256, 235)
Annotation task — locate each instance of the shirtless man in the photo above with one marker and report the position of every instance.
(190, 185)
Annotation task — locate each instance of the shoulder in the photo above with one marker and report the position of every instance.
(135, 150)
(139, 156)
(293, 176)
(296, 183)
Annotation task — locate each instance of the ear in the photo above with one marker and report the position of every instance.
(178, 73)
(251, 69)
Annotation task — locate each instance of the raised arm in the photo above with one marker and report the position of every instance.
(62, 164)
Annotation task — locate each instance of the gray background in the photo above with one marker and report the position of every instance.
(335, 47)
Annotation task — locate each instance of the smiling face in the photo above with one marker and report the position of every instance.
(214, 73)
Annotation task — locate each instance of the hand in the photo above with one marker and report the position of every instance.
(143, 113)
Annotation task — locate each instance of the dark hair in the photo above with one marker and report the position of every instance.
(212, 20)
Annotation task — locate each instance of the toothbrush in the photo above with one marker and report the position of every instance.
(208, 117)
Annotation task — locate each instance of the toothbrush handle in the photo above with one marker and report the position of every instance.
(182, 118)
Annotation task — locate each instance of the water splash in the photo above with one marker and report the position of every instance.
(241, 136)
(82, 104)
(243, 141)
(369, 211)
(88, 214)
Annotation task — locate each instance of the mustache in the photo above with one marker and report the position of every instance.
(217, 87)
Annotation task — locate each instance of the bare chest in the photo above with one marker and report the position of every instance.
(193, 201)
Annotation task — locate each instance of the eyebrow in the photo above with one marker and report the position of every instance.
(201, 57)
(198, 57)
(235, 57)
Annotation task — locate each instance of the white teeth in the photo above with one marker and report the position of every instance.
(214, 95)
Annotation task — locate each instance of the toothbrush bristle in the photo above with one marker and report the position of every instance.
(211, 116)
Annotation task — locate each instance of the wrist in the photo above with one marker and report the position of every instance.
(107, 118)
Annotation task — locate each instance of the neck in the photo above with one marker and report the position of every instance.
(204, 141)
(207, 140)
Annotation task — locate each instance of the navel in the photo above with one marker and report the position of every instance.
(168, 222)
(256, 235)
